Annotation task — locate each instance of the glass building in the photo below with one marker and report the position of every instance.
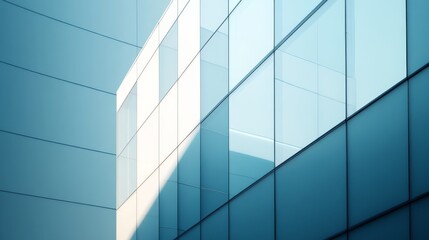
(277, 119)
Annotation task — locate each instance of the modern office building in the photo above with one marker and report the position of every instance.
(277, 119)
(60, 65)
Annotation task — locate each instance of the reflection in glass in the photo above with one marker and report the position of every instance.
(168, 198)
(251, 130)
(214, 70)
(376, 49)
(213, 13)
(251, 37)
(310, 81)
(168, 124)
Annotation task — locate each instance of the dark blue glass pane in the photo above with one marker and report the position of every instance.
(420, 219)
(378, 156)
(311, 190)
(419, 133)
(193, 234)
(216, 226)
(393, 226)
(252, 212)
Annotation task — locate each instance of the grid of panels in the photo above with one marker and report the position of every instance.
(246, 102)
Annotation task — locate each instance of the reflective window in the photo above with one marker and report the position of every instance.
(147, 147)
(189, 99)
(214, 159)
(126, 120)
(233, 4)
(251, 129)
(148, 89)
(251, 37)
(419, 133)
(189, 34)
(252, 213)
(214, 70)
(376, 49)
(168, 61)
(392, 226)
(148, 208)
(216, 226)
(168, 198)
(189, 181)
(213, 13)
(418, 34)
(420, 219)
(289, 13)
(126, 171)
(168, 124)
(378, 157)
(310, 81)
(311, 189)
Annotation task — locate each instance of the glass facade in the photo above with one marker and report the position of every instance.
(278, 120)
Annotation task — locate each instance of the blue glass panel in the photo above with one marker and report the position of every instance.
(214, 159)
(289, 13)
(116, 19)
(24, 217)
(213, 13)
(251, 130)
(189, 206)
(417, 33)
(216, 226)
(251, 31)
(148, 14)
(419, 133)
(376, 49)
(193, 234)
(311, 190)
(46, 108)
(126, 121)
(252, 212)
(392, 226)
(168, 61)
(420, 219)
(62, 51)
(378, 156)
(38, 168)
(214, 70)
(126, 172)
(310, 81)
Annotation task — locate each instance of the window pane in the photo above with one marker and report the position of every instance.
(378, 157)
(193, 234)
(148, 208)
(376, 49)
(252, 213)
(251, 129)
(251, 37)
(392, 226)
(214, 70)
(126, 120)
(418, 34)
(213, 13)
(148, 90)
(189, 181)
(289, 13)
(189, 34)
(420, 219)
(147, 149)
(168, 197)
(126, 172)
(310, 81)
(216, 226)
(189, 99)
(419, 133)
(214, 159)
(168, 124)
(168, 62)
(311, 190)
(126, 219)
